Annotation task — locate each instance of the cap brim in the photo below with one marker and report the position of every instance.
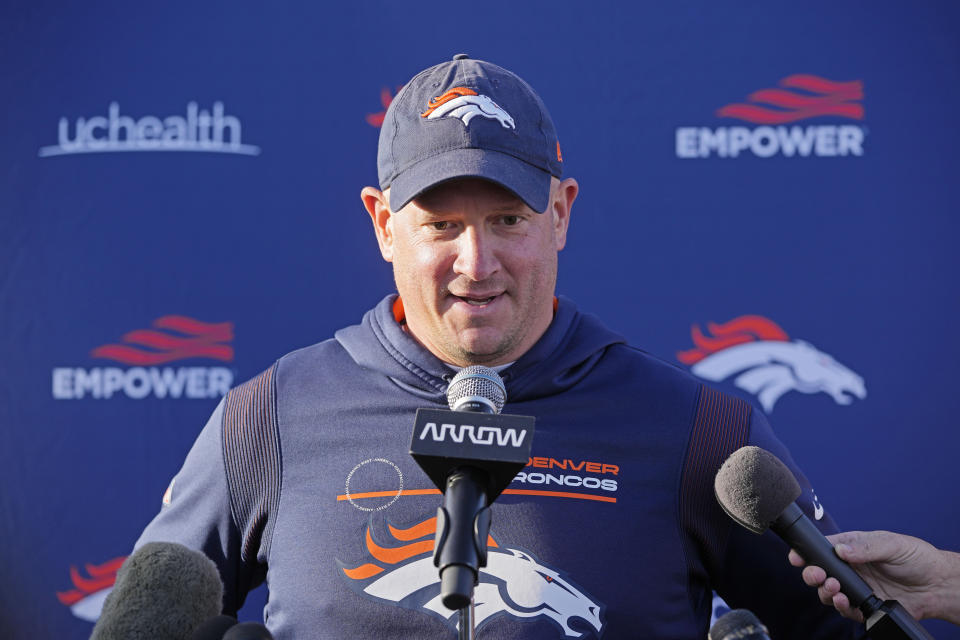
(530, 184)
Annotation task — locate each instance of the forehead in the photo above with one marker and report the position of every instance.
(461, 192)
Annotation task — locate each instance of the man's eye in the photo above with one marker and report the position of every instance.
(441, 225)
(511, 220)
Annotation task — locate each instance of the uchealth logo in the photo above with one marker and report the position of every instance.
(514, 583)
(211, 131)
(799, 97)
(171, 338)
(762, 360)
(89, 591)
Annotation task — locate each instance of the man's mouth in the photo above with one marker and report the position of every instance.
(477, 301)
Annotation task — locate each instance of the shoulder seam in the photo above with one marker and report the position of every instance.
(720, 424)
(251, 455)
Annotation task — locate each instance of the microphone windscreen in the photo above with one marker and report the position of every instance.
(738, 624)
(754, 487)
(163, 591)
(214, 628)
(477, 382)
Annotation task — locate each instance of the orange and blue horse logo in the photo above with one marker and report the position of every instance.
(513, 583)
(465, 103)
(763, 361)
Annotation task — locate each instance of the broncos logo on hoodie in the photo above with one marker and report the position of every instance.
(513, 583)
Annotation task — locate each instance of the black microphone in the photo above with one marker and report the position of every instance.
(214, 628)
(759, 492)
(228, 628)
(163, 591)
(471, 453)
(738, 624)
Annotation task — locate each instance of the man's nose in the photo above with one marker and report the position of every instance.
(476, 258)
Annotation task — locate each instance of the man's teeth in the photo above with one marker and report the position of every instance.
(477, 301)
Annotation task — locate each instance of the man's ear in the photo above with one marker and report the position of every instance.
(561, 203)
(378, 206)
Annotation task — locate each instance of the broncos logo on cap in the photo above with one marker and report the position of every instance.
(767, 363)
(465, 104)
(513, 583)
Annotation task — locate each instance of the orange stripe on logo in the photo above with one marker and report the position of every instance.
(388, 494)
(456, 92)
(397, 554)
(363, 571)
(425, 528)
(516, 492)
(559, 494)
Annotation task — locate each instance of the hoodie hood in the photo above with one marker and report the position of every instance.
(572, 345)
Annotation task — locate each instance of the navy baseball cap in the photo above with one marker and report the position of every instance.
(468, 118)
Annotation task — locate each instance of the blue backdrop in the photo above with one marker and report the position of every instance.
(765, 198)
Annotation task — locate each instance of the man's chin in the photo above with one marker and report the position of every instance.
(483, 351)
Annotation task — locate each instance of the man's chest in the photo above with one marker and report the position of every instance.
(585, 537)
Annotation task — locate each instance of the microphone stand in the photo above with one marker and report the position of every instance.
(468, 624)
(471, 454)
(463, 525)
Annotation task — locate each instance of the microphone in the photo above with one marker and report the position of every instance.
(163, 591)
(227, 628)
(477, 389)
(738, 624)
(759, 492)
(214, 628)
(471, 454)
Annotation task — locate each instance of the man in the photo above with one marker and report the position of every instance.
(924, 579)
(302, 476)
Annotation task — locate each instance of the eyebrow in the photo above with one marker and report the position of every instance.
(517, 206)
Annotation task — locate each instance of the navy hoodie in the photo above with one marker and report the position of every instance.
(302, 478)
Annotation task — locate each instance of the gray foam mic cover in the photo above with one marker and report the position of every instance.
(754, 487)
(163, 592)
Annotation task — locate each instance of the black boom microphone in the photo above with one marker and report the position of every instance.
(759, 492)
(227, 628)
(214, 628)
(471, 453)
(163, 592)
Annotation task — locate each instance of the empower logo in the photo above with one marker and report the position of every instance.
(198, 130)
(514, 583)
(171, 338)
(763, 361)
(799, 97)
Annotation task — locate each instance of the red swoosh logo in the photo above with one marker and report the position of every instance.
(819, 97)
(171, 338)
(736, 331)
(101, 577)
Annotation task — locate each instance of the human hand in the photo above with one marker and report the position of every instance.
(921, 577)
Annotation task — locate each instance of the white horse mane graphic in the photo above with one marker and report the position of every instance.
(767, 363)
(465, 104)
(513, 583)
